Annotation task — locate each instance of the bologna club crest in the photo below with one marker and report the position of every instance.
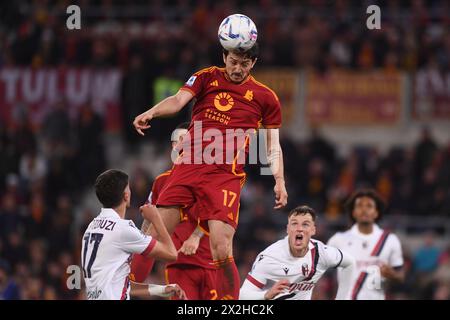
(305, 269)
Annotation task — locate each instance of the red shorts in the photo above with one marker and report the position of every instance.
(198, 283)
(214, 190)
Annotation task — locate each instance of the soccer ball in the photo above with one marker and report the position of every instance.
(237, 32)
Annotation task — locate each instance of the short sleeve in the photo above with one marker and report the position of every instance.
(332, 256)
(396, 255)
(195, 83)
(133, 240)
(260, 272)
(271, 114)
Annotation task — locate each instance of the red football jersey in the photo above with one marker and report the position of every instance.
(225, 106)
(203, 257)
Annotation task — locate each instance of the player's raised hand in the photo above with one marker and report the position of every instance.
(190, 246)
(281, 195)
(175, 290)
(141, 122)
(277, 288)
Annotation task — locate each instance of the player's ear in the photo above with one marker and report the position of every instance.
(126, 196)
(313, 231)
(254, 62)
(224, 58)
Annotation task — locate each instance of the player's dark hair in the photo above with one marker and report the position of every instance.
(251, 53)
(109, 187)
(370, 193)
(302, 210)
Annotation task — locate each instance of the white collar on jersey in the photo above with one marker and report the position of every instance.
(108, 212)
(376, 230)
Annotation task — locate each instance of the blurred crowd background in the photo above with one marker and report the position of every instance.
(51, 154)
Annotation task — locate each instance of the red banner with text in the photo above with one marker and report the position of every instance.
(32, 93)
(346, 98)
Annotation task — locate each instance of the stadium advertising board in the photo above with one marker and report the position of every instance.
(34, 92)
(431, 95)
(346, 98)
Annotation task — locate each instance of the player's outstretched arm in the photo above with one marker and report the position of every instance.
(275, 158)
(166, 107)
(164, 248)
(191, 244)
(348, 265)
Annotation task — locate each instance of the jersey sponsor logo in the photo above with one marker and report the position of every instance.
(223, 101)
(217, 116)
(362, 264)
(301, 286)
(94, 294)
(305, 269)
(191, 81)
(215, 83)
(286, 270)
(249, 95)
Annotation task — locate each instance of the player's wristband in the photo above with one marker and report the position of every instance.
(199, 233)
(157, 290)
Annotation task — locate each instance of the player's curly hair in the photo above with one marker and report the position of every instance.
(302, 210)
(109, 187)
(251, 53)
(370, 193)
